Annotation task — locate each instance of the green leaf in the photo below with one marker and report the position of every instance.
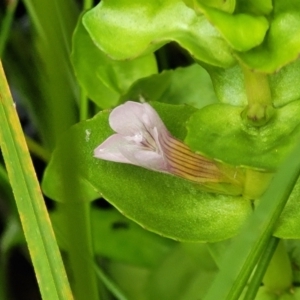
(284, 84)
(288, 226)
(242, 31)
(162, 203)
(123, 238)
(35, 221)
(128, 29)
(219, 132)
(104, 79)
(230, 88)
(282, 42)
(242, 257)
(229, 84)
(265, 294)
(190, 85)
(293, 249)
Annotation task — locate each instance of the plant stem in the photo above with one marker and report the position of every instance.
(77, 223)
(261, 269)
(279, 276)
(109, 284)
(87, 4)
(260, 108)
(6, 23)
(83, 105)
(37, 149)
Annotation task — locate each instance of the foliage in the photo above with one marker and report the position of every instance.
(223, 77)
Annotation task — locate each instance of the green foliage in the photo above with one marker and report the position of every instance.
(148, 26)
(242, 31)
(282, 43)
(161, 203)
(119, 233)
(225, 117)
(104, 79)
(219, 131)
(190, 85)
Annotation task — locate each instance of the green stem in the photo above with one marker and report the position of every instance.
(109, 284)
(261, 269)
(279, 276)
(37, 149)
(84, 101)
(87, 4)
(260, 107)
(77, 223)
(83, 105)
(6, 23)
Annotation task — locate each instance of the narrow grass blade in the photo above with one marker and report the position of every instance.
(37, 228)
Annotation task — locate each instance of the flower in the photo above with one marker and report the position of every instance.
(143, 140)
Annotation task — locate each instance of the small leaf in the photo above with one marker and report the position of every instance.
(218, 131)
(127, 29)
(103, 79)
(190, 85)
(282, 42)
(242, 31)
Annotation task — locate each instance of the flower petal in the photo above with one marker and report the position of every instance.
(110, 149)
(131, 118)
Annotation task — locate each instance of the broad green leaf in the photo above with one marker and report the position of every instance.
(242, 31)
(162, 203)
(254, 6)
(282, 42)
(127, 29)
(230, 88)
(104, 79)
(218, 131)
(122, 237)
(190, 85)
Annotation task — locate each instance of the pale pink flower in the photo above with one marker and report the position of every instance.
(143, 140)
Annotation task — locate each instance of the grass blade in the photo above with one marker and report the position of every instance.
(35, 221)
